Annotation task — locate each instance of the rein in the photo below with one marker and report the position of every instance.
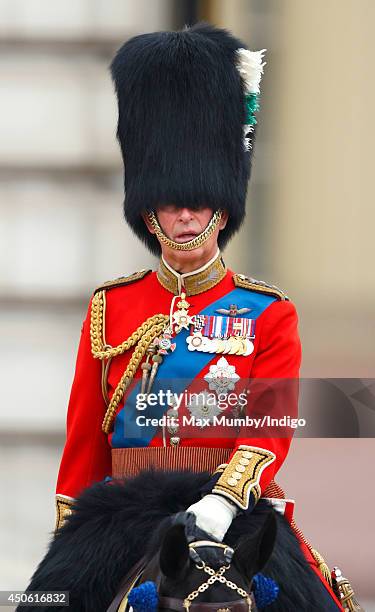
(127, 583)
(246, 604)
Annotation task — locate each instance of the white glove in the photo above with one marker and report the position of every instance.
(214, 514)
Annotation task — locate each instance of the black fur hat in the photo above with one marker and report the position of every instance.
(182, 112)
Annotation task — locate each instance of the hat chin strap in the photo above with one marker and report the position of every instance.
(191, 244)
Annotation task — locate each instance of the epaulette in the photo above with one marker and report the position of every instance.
(123, 280)
(247, 282)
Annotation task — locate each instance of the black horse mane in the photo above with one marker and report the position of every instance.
(114, 524)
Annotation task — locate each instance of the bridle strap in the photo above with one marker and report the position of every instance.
(177, 605)
(127, 584)
(173, 603)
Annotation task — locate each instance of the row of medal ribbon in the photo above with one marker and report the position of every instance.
(225, 335)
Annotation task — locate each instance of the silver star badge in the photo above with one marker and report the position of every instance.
(222, 377)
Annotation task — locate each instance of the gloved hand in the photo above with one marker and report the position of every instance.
(214, 514)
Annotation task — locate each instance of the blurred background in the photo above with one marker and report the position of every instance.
(309, 230)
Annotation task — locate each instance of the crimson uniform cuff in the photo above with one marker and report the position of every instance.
(64, 506)
(239, 480)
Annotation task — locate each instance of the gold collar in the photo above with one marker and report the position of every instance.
(193, 282)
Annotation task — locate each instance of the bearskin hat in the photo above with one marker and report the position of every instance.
(181, 103)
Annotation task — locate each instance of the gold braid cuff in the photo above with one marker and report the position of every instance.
(220, 469)
(274, 490)
(63, 509)
(191, 244)
(242, 474)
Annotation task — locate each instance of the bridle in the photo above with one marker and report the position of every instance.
(241, 605)
(189, 603)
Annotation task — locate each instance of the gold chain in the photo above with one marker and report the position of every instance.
(215, 577)
(191, 244)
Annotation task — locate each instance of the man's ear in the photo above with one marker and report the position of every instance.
(224, 219)
(147, 222)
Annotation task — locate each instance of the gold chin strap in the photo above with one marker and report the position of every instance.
(192, 244)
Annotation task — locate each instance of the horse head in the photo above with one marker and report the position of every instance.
(202, 575)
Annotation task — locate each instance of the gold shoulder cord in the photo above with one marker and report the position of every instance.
(141, 338)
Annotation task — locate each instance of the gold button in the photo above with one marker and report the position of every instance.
(247, 454)
(236, 475)
(244, 461)
(240, 468)
(232, 482)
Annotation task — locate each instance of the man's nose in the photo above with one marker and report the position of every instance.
(185, 215)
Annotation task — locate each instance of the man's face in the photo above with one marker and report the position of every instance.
(184, 224)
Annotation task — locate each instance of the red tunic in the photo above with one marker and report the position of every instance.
(277, 354)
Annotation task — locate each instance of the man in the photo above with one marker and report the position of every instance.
(186, 127)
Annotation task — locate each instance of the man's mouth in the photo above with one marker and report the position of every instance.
(186, 236)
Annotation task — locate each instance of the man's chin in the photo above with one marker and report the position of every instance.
(184, 256)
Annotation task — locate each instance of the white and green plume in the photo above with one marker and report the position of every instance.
(250, 66)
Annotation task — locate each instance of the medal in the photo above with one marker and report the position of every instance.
(223, 327)
(222, 377)
(203, 407)
(181, 317)
(172, 419)
(163, 345)
(223, 335)
(231, 346)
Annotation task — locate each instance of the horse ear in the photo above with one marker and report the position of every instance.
(253, 551)
(174, 552)
(267, 541)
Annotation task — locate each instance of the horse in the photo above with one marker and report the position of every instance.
(140, 522)
(179, 572)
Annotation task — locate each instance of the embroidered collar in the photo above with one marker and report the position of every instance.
(194, 282)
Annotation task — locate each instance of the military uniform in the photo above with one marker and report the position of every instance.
(186, 128)
(131, 301)
(97, 447)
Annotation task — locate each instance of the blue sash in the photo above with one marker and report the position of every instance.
(177, 372)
